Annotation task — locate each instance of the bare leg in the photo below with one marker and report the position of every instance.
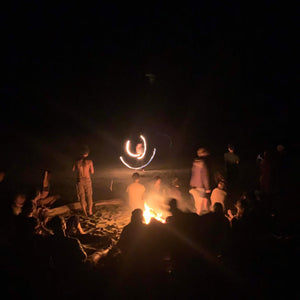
(81, 196)
(89, 195)
(49, 200)
(46, 180)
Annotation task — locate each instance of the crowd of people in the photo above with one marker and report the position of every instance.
(214, 247)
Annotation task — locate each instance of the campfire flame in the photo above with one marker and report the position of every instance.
(149, 213)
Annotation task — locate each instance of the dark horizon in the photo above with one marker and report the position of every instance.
(77, 75)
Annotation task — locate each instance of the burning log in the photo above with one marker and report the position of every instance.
(149, 213)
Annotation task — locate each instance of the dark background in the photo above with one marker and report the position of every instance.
(226, 72)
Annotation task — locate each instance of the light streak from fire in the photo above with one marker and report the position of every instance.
(145, 147)
(140, 167)
(128, 150)
(137, 155)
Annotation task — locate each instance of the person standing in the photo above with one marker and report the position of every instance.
(200, 185)
(135, 192)
(139, 149)
(231, 161)
(84, 168)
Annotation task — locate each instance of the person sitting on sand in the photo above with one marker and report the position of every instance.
(66, 252)
(132, 233)
(218, 195)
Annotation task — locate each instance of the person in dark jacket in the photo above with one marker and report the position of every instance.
(200, 185)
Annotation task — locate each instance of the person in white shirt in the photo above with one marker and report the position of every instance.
(136, 193)
(218, 195)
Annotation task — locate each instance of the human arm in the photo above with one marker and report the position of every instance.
(81, 231)
(92, 168)
(80, 253)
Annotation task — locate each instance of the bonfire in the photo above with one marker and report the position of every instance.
(149, 213)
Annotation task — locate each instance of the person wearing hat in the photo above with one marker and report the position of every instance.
(84, 168)
(200, 185)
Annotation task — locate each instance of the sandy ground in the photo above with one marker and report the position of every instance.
(105, 226)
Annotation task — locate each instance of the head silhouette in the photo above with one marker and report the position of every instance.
(72, 223)
(137, 216)
(85, 151)
(28, 208)
(218, 208)
(135, 176)
(57, 224)
(230, 148)
(202, 152)
(173, 204)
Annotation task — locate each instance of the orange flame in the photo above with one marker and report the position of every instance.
(149, 213)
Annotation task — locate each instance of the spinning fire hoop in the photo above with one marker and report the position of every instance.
(138, 156)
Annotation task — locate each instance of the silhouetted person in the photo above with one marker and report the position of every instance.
(177, 216)
(26, 223)
(68, 258)
(84, 168)
(132, 233)
(66, 252)
(218, 231)
(199, 182)
(30, 251)
(182, 238)
(231, 161)
(174, 192)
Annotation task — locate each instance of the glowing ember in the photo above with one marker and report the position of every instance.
(149, 213)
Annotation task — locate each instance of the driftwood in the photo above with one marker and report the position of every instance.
(76, 205)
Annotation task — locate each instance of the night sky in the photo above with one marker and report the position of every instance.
(76, 74)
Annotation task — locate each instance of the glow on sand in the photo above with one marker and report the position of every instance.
(137, 155)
